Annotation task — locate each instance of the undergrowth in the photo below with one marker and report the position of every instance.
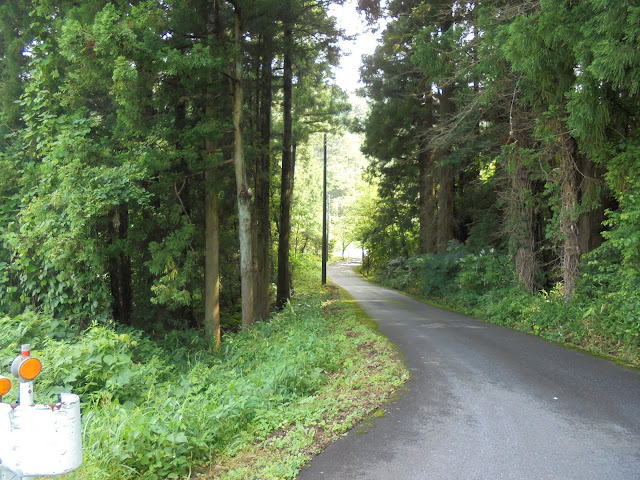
(169, 408)
(603, 316)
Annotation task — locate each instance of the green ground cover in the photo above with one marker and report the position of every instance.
(603, 316)
(260, 407)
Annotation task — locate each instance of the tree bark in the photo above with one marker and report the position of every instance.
(445, 207)
(593, 198)
(568, 215)
(427, 204)
(263, 186)
(242, 188)
(125, 266)
(520, 221)
(445, 180)
(212, 232)
(284, 275)
(120, 272)
(212, 262)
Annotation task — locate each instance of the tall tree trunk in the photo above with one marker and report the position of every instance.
(120, 273)
(568, 214)
(125, 266)
(263, 187)
(294, 146)
(445, 207)
(520, 214)
(593, 198)
(242, 188)
(212, 232)
(427, 203)
(212, 262)
(520, 221)
(284, 274)
(445, 179)
(114, 286)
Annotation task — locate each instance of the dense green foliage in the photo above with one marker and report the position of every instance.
(480, 284)
(504, 142)
(116, 130)
(141, 146)
(512, 127)
(160, 408)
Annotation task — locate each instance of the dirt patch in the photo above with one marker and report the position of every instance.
(367, 346)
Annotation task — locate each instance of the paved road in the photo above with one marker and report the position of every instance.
(486, 403)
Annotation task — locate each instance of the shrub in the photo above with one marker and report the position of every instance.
(602, 316)
(438, 277)
(153, 409)
(485, 271)
(432, 276)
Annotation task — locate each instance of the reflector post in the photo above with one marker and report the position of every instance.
(29, 368)
(37, 440)
(5, 386)
(25, 368)
(25, 394)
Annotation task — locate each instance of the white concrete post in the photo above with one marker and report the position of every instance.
(7, 475)
(38, 440)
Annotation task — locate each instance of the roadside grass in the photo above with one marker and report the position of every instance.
(370, 372)
(166, 408)
(602, 318)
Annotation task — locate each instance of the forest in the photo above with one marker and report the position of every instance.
(504, 142)
(149, 150)
(160, 210)
(149, 228)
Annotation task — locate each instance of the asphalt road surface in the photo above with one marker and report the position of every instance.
(485, 403)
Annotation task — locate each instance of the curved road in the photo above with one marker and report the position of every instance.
(485, 403)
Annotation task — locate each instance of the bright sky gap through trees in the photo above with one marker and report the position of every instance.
(364, 43)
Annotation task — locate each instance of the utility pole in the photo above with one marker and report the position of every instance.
(325, 239)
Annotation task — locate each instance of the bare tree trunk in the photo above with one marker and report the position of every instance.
(263, 186)
(125, 266)
(520, 221)
(120, 272)
(568, 215)
(212, 262)
(427, 204)
(242, 188)
(114, 285)
(294, 147)
(284, 275)
(212, 235)
(445, 180)
(445, 207)
(592, 197)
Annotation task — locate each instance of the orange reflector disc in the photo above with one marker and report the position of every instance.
(5, 386)
(30, 368)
